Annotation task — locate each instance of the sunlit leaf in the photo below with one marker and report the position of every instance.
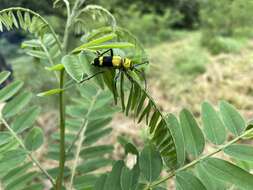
(57, 67)
(112, 45)
(232, 118)
(95, 42)
(227, 172)
(129, 178)
(213, 125)
(193, 136)
(73, 67)
(240, 152)
(187, 181)
(177, 134)
(150, 163)
(113, 179)
(50, 92)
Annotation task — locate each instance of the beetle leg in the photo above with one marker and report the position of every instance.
(90, 77)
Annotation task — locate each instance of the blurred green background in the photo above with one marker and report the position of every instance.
(199, 49)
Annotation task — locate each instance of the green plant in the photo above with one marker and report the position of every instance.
(48, 49)
(218, 30)
(85, 121)
(191, 59)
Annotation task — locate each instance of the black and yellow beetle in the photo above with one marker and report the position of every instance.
(115, 62)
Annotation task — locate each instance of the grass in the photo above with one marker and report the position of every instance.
(184, 74)
(177, 61)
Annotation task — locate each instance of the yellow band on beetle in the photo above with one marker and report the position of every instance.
(127, 63)
(116, 61)
(101, 60)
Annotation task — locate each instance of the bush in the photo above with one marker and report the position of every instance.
(221, 44)
(227, 19)
(175, 143)
(150, 28)
(191, 59)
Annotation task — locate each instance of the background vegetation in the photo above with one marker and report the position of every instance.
(199, 50)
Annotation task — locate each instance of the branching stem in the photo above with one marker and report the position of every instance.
(71, 15)
(62, 158)
(37, 15)
(29, 153)
(194, 162)
(81, 136)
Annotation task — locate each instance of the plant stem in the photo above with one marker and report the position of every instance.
(34, 160)
(62, 157)
(194, 162)
(62, 135)
(70, 18)
(50, 60)
(81, 136)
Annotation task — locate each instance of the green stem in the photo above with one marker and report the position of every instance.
(48, 57)
(194, 162)
(62, 135)
(70, 18)
(81, 136)
(62, 158)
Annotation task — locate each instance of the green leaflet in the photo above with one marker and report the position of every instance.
(73, 67)
(177, 134)
(96, 151)
(232, 118)
(17, 104)
(129, 178)
(85, 182)
(129, 101)
(5, 137)
(22, 181)
(50, 92)
(213, 125)
(187, 181)
(11, 159)
(113, 179)
(150, 163)
(240, 152)
(193, 136)
(112, 45)
(209, 182)
(10, 90)
(153, 121)
(34, 139)
(38, 54)
(95, 42)
(3, 76)
(25, 120)
(26, 19)
(122, 94)
(57, 67)
(100, 183)
(93, 164)
(31, 44)
(15, 173)
(54, 171)
(227, 172)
